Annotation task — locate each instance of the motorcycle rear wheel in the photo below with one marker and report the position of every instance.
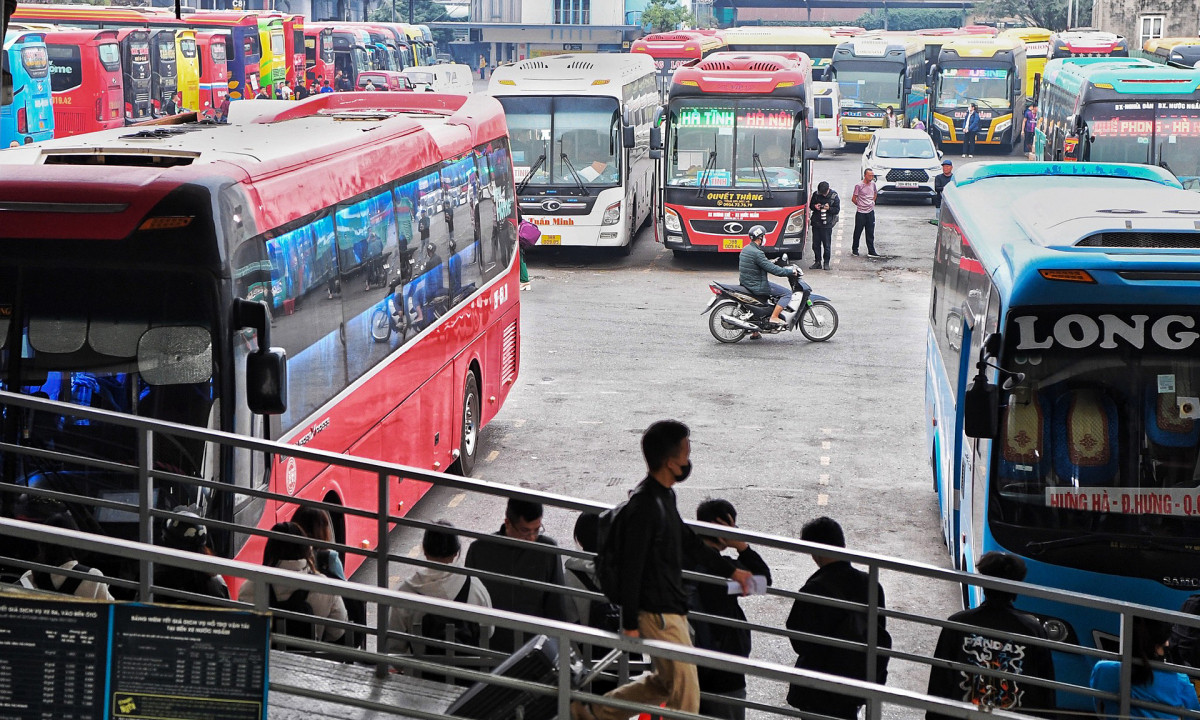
(721, 330)
(819, 321)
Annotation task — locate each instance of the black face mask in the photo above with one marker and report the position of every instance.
(683, 473)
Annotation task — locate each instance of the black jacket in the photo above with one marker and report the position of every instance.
(524, 563)
(716, 600)
(829, 217)
(836, 580)
(753, 268)
(940, 181)
(656, 544)
(994, 654)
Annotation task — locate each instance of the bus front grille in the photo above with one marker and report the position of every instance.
(1146, 240)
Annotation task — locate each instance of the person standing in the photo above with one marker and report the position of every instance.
(1150, 638)
(716, 600)
(970, 130)
(823, 209)
(865, 194)
(653, 544)
(890, 116)
(522, 521)
(833, 579)
(302, 91)
(325, 87)
(1006, 655)
(1030, 128)
(482, 66)
(939, 184)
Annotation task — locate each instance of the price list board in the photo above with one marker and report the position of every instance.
(101, 661)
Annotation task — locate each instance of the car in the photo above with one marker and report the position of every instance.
(385, 80)
(905, 162)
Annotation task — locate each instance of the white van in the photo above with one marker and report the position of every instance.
(827, 110)
(449, 78)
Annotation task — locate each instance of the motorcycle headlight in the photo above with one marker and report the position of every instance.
(1003, 126)
(612, 214)
(671, 220)
(794, 224)
(941, 125)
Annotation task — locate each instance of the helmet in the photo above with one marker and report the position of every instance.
(758, 232)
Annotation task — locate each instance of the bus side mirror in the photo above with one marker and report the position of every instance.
(981, 409)
(266, 368)
(656, 143)
(812, 139)
(628, 138)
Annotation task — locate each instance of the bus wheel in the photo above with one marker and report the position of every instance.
(468, 446)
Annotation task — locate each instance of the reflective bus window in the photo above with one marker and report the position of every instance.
(66, 67)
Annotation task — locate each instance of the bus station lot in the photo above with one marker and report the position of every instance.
(786, 429)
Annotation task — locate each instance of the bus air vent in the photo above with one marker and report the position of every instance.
(533, 65)
(1144, 240)
(581, 65)
(161, 133)
(765, 67)
(715, 65)
(122, 159)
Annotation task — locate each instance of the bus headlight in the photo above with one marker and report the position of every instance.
(671, 221)
(795, 223)
(612, 214)
(941, 125)
(1056, 630)
(1003, 126)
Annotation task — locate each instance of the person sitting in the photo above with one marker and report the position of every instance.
(189, 534)
(64, 557)
(317, 525)
(753, 268)
(297, 555)
(1150, 638)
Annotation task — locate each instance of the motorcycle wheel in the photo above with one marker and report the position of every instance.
(819, 321)
(721, 330)
(381, 326)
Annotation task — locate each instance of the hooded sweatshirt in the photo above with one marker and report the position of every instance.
(323, 606)
(433, 583)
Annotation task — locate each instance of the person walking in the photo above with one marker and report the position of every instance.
(652, 542)
(840, 580)
(1005, 655)
(716, 600)
(939, 184)
(864, 196)
(1150, 638)
(823, 209)
(970, 130)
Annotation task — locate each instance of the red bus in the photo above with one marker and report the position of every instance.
(185, 285)
(243, 50)
(673, 49)
(739, 145)
(318, 55)
(293, 30)
(214, 71)
(85, 79)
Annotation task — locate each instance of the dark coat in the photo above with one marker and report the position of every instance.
(716, 600)
(831, 215)
(836, 580)
(940, 181)
(994, 654)
(527, 563)
(753, 268)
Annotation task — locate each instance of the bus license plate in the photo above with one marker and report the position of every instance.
(731, 244)
(551, 240)
(906, 185)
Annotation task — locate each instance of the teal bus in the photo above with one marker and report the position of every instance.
(1062, 378)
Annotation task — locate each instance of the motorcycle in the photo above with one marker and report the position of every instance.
(736, 312)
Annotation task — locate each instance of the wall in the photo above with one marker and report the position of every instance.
(1182, 17)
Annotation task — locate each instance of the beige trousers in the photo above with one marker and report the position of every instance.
(672, 682)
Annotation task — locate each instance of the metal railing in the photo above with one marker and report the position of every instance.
(145, 478)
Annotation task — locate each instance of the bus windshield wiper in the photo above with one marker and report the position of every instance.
(574, 173)
(541, 159)
(762, 172)
(708, 166)
(985, 102)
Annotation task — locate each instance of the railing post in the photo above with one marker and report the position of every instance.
(145, 451)
(874, 709)
(564, 676)
(381, 573)
(1126, 662)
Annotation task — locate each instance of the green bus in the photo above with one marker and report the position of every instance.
(272, 68)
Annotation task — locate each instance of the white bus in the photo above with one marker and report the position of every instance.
(580, 132)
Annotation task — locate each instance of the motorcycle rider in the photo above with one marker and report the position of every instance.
(753, 267)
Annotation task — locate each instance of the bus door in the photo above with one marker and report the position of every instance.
(188, 63)
(164, 72)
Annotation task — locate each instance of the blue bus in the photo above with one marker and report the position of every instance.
(1062, 386)
(30, 116)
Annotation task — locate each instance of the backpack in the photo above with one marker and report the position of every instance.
(43, 581)
(433, 626)
(298, 603)
(609, 554)
(601, 615)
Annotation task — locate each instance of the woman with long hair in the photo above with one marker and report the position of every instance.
(297, 555)
(1149, 684)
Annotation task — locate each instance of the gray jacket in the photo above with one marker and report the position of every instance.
(753, 267)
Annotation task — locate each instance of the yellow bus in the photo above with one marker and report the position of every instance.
(1181, 52)
(272, 68)
(874, 72)
(817, 43)
(1037, 51)
(187, 62)
(988, 73)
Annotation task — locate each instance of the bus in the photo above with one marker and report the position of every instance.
(1121, 110)
(1037, 52)
(214, 72)
(874, 73)
(85, 81)
(318, 55)
(164, 70)
(818, 44)
(135, 73)
(739, 142)
(293, 32)
(350, 53)
(1087, 43)
(187, 61)
(1177, 52)
(262, 307)
(273, 66)
(243, 51)
(580, 131)
(672, 49)
(986, 72)
(1061, 385)
(29, 118)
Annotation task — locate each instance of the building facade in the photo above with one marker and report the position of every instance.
(510, 30)
(1142, 20)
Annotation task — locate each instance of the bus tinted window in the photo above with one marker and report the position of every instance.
(824, 107)
(217, 51)
(66, 67)
(35, 60)
(110, 56)
(188, 47)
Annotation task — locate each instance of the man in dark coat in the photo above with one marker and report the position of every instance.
(1005, 655)
(823, 209)
(522, 521)
(833, 579)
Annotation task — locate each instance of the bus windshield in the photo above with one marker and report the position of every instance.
(166, 50)
(1156, 133)
(724, 143)
(140, 52)
(36, 60)
(110, 56)
(278, 47)
(567, 140)
(959, 87)
(188, 47)
(869, 84)
(217, 51)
